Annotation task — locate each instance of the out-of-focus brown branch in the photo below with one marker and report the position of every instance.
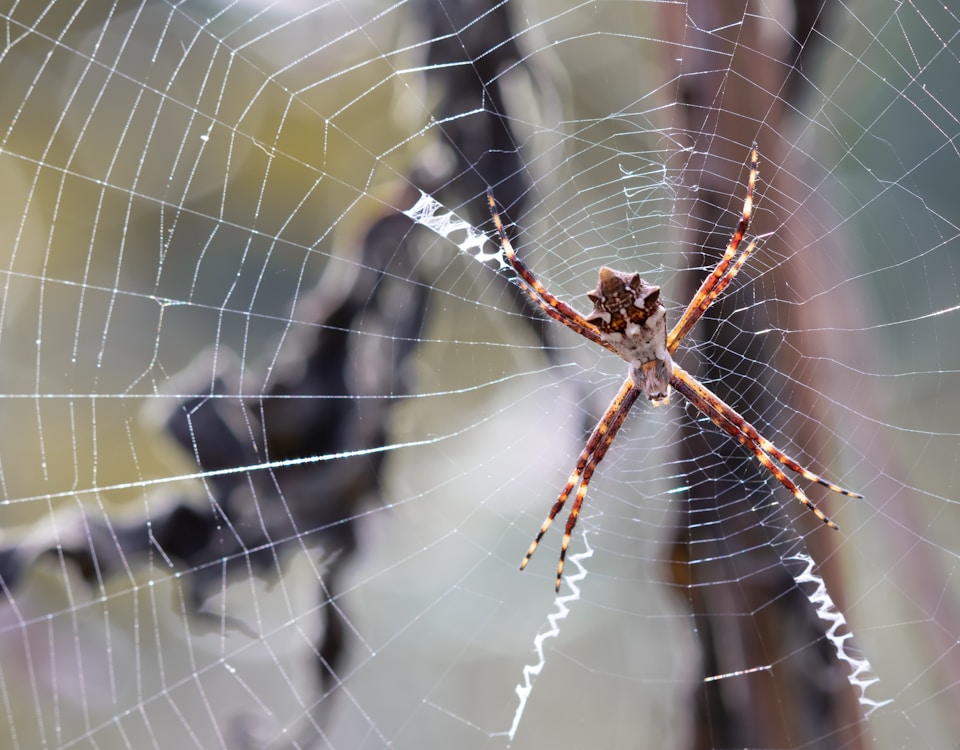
(737, 82)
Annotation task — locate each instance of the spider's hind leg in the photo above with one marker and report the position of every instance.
(723, 272)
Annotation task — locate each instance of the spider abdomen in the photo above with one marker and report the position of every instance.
(630, 317)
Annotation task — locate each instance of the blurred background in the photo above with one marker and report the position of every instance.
(272, 452)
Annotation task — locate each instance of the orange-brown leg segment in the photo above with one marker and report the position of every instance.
(733, 424)
(750, 432)
(723, 273)
(699, 306)
(551, 306)
(592, 454)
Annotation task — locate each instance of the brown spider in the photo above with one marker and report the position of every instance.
(629, 320)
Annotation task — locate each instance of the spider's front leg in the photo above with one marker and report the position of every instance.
(727, 419)
(591, 455)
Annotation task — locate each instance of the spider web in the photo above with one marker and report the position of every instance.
(275, 443)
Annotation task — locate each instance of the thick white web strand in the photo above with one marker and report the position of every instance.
(429, 213)
(562, 602)
(839, 632)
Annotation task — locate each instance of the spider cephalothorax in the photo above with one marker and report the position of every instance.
(630, 317)
(630, 321)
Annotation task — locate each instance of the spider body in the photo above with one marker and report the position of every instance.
(629, 320)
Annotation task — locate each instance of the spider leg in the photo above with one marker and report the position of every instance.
(736, 426)
(703, 304)
(767, 447)
(591, 455)
(530, 284)
(750, 432)
(722, 273)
